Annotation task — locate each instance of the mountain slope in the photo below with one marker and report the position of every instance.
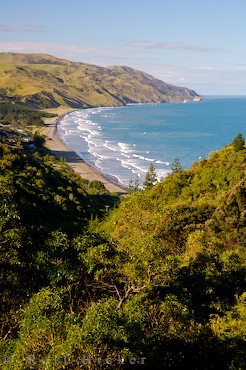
(45, 81)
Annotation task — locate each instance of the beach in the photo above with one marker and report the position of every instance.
(60, 150)
(121, 143)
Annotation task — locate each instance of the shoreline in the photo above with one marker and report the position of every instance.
(60, 150)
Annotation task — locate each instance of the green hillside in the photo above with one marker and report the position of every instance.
(44, 81)
(21, 115)
(159, 280)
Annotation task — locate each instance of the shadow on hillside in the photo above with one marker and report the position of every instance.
(69, 156)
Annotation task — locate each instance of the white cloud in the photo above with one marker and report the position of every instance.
(63, 50)
(26, 29)
(229, 69)
(170, 45)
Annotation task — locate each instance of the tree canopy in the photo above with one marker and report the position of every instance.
(239, 142)
(150, 178)
(157, 282)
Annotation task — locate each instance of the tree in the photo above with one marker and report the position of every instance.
(133, 186)
(38, 139)
(239, 142)
(150, 178)
(136, 184)
(176, 165)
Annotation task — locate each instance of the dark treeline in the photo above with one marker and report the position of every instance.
(21, 115)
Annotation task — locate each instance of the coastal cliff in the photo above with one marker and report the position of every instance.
(44, 81)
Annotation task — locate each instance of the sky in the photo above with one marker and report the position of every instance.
(196, 44)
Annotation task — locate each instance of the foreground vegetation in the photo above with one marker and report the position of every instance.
(156, 283)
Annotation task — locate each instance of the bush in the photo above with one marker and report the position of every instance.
(239, 142)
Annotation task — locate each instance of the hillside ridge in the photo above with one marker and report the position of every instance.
(44, 81)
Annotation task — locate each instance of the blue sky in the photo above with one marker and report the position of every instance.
(197, 44)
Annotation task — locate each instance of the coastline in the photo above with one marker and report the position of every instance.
(55, 144)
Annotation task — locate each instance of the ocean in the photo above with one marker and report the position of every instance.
(123, 142)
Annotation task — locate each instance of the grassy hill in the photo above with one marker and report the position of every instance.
(44, 81)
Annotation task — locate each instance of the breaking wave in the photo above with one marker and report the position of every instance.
(80, 131)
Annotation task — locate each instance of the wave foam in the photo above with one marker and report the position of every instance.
(80, 129)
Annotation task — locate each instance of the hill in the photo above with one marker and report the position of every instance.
(159, 280)
(44, 81)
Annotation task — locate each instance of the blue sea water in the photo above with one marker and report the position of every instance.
(123, 142)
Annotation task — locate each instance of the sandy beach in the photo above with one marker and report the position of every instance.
(60, 150)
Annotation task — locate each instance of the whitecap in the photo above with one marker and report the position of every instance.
(161, 162)
(109, 146)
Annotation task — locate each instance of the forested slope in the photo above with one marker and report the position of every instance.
(159, 281)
